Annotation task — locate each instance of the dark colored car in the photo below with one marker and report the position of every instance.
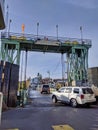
(45, 88)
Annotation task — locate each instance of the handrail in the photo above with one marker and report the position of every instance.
(21, 36)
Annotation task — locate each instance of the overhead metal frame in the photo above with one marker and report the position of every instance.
(77, 52)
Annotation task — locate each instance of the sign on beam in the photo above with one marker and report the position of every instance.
(48, 42)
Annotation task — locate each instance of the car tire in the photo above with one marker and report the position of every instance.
(88, 105)
(73, 102)
(54, 99)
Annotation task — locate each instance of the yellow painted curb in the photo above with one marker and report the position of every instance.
(13, 129)
(62, 127)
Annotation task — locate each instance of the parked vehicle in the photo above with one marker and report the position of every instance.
(74, 96)
(45, 88)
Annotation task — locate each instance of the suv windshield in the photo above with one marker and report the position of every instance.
(87, 91)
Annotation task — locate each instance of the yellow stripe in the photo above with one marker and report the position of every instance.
(62, 127)
(13, 129)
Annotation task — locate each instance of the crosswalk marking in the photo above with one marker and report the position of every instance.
(62, 127)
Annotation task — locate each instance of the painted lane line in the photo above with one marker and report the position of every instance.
(62, 127)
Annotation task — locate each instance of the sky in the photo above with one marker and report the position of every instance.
(69, 15)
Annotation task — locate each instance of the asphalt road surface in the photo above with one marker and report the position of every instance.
(42, 114)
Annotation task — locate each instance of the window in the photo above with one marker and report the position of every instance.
(87, 91)
(68, 90)
(76, 90)
(62, 89)
(45, 86)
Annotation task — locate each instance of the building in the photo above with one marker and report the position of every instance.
(93, 76)
(34, 82)
(2, 22)
(9, 75)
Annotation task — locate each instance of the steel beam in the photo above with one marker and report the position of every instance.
(77, 53)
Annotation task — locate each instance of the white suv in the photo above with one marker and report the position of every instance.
(74, 95)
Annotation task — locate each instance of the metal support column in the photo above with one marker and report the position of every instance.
(25, 71)
(63, 70)
(78, 64)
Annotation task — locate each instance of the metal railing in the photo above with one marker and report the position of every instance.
(21, 36)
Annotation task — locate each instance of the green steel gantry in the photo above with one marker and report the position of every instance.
(76, 50)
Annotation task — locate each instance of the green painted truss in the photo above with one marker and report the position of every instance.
(76, 50)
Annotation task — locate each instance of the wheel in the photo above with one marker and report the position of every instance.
(73, 102)
(54, 99)
(88, 105)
